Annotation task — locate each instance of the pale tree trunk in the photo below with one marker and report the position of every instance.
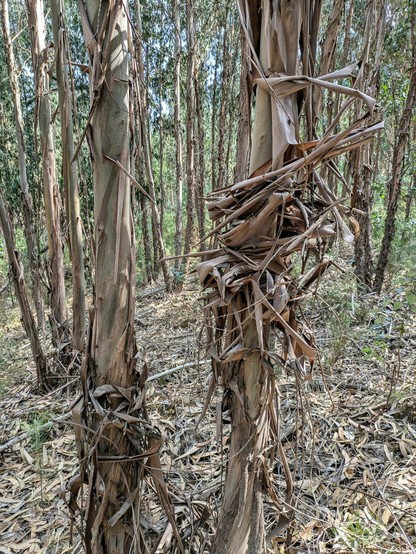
(27, 202)
(190, 126)
(115, 441)
(161, 159)
(200, 161)
(28, 320)
(51, 189)
(70, 175)
(178, 133)
(244, 120)
(225, 100)
(395, 182)
(412, 186)
(214, 122)
(145, 150)
(110, 354)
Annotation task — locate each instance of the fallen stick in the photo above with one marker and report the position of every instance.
(174, 369)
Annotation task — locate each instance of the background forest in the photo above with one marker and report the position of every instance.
(338, 434)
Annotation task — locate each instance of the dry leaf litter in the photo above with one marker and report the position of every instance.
(349, 435)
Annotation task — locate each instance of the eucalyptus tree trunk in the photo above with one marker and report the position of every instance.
(199, 159)
(360, 161)
(28, 320)
(70, 175)
(27, 202)
(227, 69)
(395, 182)
(244, 120)
(110, 355)
(214, 117)
(190, 126)
(178, 133)
(52, 198)
(145, 149)
(328, 50)
(283, 207)
(241, 526)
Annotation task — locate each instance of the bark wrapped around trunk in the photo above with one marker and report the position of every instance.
(283, 211)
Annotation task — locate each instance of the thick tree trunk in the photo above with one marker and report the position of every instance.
(241, 524)
(70, 175)
(28, 320)
(27, 202)
(110, 355)
(51, 189)
(241, 527)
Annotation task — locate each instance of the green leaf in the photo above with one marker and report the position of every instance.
(381, 319)
(410, 298)
(397, 305)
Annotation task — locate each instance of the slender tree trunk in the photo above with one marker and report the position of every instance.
(144, 146)
(214, 119)
(190, 127)
(70, 175)
(361, 170)
(27, 201)
(147, 251)
(395, 183)
(178, 133)
(28, 320)
(225, 100)
(161, 160)
(244, 120)
(51, 189)
(200, 161)
(328, 51)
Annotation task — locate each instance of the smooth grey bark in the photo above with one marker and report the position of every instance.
(70, 175)
(51, 192)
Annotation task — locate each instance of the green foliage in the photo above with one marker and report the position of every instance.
(35, 427)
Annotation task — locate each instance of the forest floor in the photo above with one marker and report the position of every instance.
(352, 452)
